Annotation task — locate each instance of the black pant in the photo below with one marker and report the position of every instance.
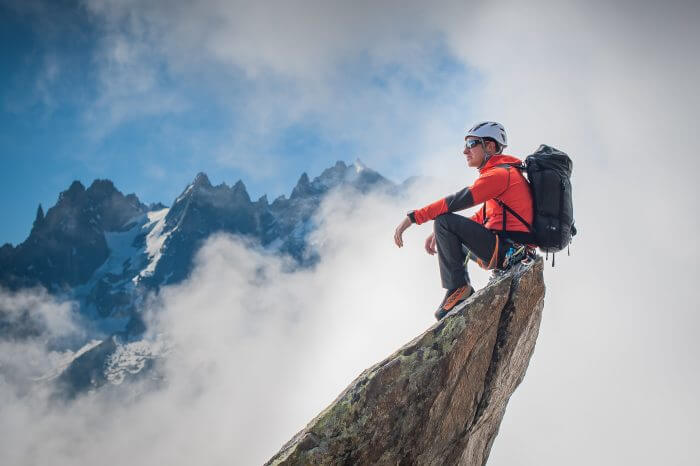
(452, 231)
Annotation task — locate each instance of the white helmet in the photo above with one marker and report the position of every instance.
(490, 129)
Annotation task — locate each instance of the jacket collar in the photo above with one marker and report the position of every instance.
(497, 159)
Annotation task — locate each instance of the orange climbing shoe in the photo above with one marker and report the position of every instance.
(452, 298)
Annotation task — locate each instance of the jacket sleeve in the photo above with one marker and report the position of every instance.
(487, 186)
(460, 200)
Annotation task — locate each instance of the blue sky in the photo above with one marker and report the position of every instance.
(85, 94)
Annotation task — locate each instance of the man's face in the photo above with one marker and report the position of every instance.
(475, 154)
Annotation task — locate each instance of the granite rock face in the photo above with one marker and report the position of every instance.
(440, 399)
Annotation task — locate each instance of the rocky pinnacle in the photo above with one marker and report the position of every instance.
(440, 399)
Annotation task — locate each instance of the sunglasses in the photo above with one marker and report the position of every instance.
(471, 143)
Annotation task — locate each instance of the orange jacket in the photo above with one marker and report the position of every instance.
(505, 183)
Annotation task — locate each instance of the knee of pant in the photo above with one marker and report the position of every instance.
(442, 221)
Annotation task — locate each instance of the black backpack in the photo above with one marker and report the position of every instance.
(549, 171)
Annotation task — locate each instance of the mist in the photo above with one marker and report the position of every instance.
(258, 348)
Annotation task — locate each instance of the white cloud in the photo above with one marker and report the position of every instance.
(38, 325)
(258, 350)
(298, 39)
(365, 75)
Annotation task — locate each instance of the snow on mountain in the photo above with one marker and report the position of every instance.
(123, 255)
(155, 240)
(131, 358)
(65, 358)
(184, 193)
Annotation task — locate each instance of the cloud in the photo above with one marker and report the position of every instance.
(371, 73)
(305, 39)
(360, 77)
(34, 325)
(258, 348)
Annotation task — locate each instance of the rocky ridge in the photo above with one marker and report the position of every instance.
(439, 399)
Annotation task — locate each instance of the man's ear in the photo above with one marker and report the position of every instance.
(491, 147)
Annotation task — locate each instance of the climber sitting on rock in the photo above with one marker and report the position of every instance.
(494, 233)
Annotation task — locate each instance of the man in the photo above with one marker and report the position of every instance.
(502, 223)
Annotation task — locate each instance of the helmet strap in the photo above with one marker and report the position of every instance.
(487, 156)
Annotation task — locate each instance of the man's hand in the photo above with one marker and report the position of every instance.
(400, 229)
(430, 243)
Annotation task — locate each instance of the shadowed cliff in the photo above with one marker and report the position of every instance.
(440, 399)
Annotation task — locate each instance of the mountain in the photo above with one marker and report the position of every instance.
(439, 399)
(108, 251)
(67, 245)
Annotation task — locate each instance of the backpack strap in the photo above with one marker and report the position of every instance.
(503, 205)
(515, 214)
(519, 166)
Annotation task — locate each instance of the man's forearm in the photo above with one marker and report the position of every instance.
(460, 200)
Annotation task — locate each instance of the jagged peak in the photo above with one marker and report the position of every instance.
(263, 200)
(239, 190)
(239, 185)
(339, 168)
(132, 197)
(302, 188)
(39, 219)
(357, 174)
(102, 185)
(102, 189)
(334, 176)
(201, 180)
(76, 185)
(39, 213)
(279, 202)
(75, 189)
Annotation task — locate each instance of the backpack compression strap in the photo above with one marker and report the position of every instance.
(505, 206)
(515, 214)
